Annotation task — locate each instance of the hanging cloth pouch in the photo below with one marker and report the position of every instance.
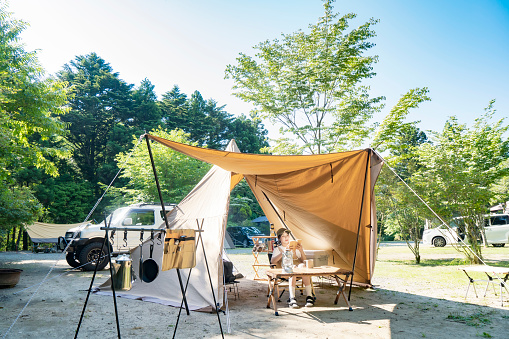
(179, 249)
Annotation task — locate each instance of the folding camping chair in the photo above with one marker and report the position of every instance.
(229, 279)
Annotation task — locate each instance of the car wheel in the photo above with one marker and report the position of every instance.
(498, 245)
(439, 242)
(69, 257)
(244, 243)
(90, 253)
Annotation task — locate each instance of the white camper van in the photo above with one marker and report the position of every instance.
(496, 229)
(85, 243)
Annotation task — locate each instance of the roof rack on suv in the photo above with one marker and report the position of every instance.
(152, 203)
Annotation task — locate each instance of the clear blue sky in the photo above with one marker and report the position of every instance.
(458, 49)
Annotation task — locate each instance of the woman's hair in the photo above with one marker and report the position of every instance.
(286, 231)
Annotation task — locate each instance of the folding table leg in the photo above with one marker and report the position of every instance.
(272, 297)
(342, 292)
(471, 282)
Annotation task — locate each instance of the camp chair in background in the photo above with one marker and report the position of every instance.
(229, 279)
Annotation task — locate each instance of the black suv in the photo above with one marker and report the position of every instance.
(241, 235)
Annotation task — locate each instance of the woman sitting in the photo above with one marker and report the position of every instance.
(283, 236)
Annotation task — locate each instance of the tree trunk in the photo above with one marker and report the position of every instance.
(13, 241)
(25, 241)
(20, 234)
(7, 243)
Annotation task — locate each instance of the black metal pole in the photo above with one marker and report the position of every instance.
(90, 288)
(111, 277)
(164, 213)
(360, 219)
(274, 208)
(157, 180)
(211, 285)
(182, 303)
(183, 291)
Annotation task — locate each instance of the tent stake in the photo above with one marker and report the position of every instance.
(165, 216)
(359, 226)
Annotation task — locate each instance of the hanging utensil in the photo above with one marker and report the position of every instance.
(140, 269)
(150, 266)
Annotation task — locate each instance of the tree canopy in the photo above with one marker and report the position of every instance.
(30, 107)
(177, 173)
(311, 84)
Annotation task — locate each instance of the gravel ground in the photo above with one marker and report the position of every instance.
(413, 306)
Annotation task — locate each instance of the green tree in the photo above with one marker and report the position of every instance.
(243, 205)
(30, 107)
(146, 114)
(501, 189)
(396, 135)
(310, 83)
(29, 104)
(458, 169)
(249, 134)
(173, 108)
(66, 198)
(100, 106)
(399, 210)
(209, 124)
(177, 173)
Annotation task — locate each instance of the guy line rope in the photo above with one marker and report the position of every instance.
(439, 218)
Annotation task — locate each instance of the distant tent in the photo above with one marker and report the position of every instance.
(326, 200)
(260, 219)
(48, 233)
(228, 242)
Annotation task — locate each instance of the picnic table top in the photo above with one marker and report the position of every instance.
(303, 271)
(485, 268)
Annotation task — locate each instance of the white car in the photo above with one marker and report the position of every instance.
(440, 236)
(86, 242)
(496, 228)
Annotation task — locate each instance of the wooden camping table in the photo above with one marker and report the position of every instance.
(275, 274)
(501, 276)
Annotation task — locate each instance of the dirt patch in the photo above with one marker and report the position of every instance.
(409, 306)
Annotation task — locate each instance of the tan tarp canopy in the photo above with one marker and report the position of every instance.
(41, 232)
(326, 200)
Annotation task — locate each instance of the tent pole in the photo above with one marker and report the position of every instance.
(280, 219)
(111, 275)
(211, 285)
(157, 181)
(360, 219)
(182, 302)
(92, 283)
(165, 216)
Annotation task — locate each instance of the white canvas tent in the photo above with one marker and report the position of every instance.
(205, 208)
(326, 200)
